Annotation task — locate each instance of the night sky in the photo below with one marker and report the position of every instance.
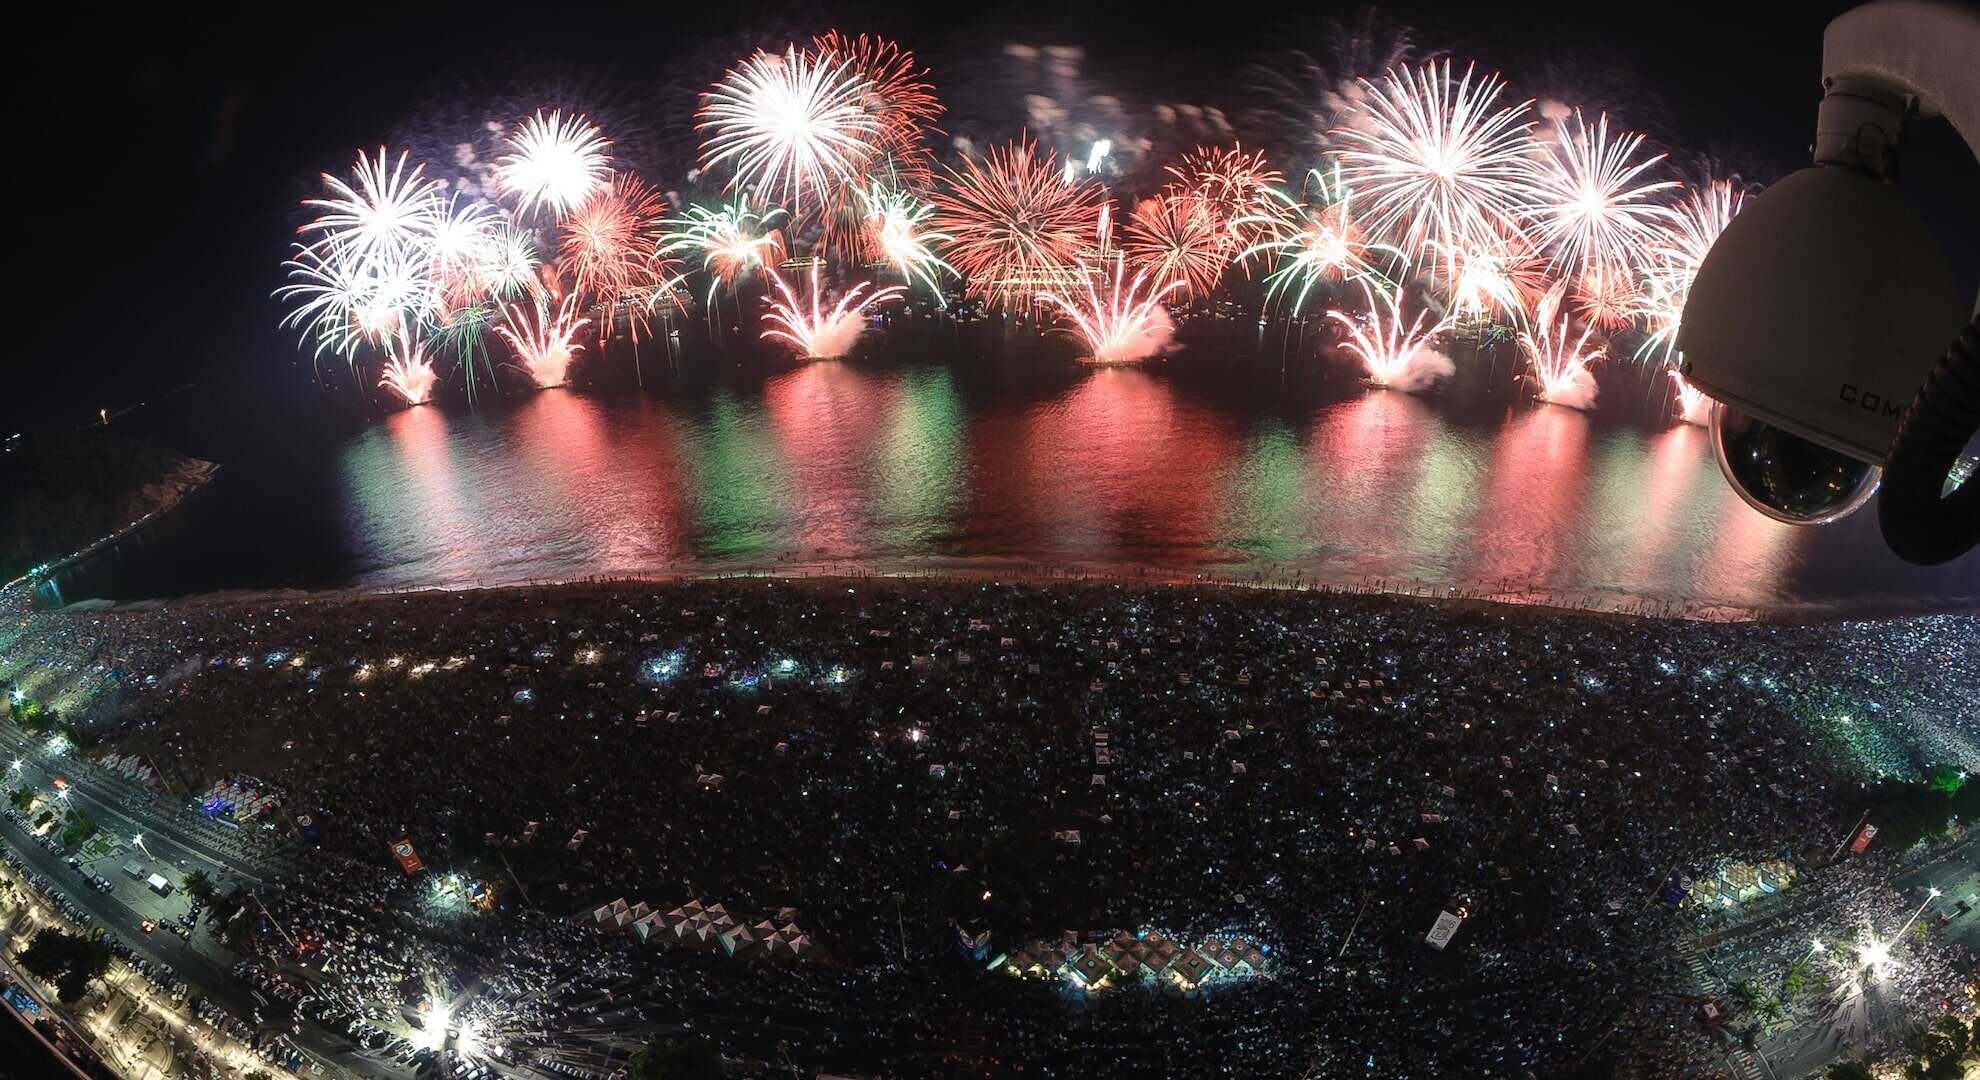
(186, 143)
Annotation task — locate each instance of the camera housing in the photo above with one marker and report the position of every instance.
(1811, 324)
(1823, 307)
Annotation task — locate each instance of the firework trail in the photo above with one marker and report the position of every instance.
(463, 332)
(554, 162)
(1128, 323)
(1433, 159)
(1307, 96)
(790, 124)
(732, 241)
(1315, 241)
(1692, 404)
(1175, 237)
(816, 333)
(544, 342)
(1558, 361)
(897, 231)
(1018, 225)
(1591, 207)
(1396, 355)
(408, 373)
(1672, 259)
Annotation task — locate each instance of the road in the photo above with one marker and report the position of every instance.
(174, 851)
(1867, 1013)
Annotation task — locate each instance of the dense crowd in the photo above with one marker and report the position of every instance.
(1319, 772)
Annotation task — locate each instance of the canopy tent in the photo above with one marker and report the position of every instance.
(735, 938)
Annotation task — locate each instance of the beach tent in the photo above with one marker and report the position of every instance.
(735, 938)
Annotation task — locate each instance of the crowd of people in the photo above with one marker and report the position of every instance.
(899, 761)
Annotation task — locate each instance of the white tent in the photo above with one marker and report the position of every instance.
(735, 938)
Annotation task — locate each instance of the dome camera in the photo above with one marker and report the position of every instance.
(1824, 323)
(1785, 476)
(1811, 324)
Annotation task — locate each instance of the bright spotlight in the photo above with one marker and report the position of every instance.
(1876, 956)
(433, 1027)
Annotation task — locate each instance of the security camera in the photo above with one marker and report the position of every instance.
(1824, 322)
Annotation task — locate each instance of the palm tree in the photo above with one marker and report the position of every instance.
(199, 886)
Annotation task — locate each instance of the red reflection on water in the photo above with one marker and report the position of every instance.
(1663, 534)
(1749, 554)
(424, 441)
(1123, 468)
(1364, 454)
(613, 490)
(1530, 527)
(828, 416)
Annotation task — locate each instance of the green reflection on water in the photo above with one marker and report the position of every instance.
(739, 478)
(921, 462)
(1267, 502)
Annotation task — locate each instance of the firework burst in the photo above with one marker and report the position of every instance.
(790, 124)
(1395, 354)
(464, 240)
(1557, 359)
(345, 303)
(1494, 280)
(408, 373)
(1018, 225)
(1176, 237)
(732, 240)
(1591, 206)
(897, 232)
(555, 162)
(816, 333)
(1125, 324)
(387, 212)
(1313, 241)
(1672, 259)
(1432, 157)
(611, 248)
(1234, 187)
(545, 341)
(894, 93)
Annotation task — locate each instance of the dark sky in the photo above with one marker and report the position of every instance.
(175, 146)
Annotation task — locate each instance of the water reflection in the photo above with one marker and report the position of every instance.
(918, 467)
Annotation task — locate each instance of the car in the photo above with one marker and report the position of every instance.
(147, 925)
(75, 863)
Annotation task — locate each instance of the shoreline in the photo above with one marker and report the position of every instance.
(173, 488)
(1016, 574)
(1531, 601)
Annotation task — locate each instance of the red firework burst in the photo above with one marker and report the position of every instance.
(1233, 185)
(895, 95)
(1018, 226)
(1179, 237)
(609, 245)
